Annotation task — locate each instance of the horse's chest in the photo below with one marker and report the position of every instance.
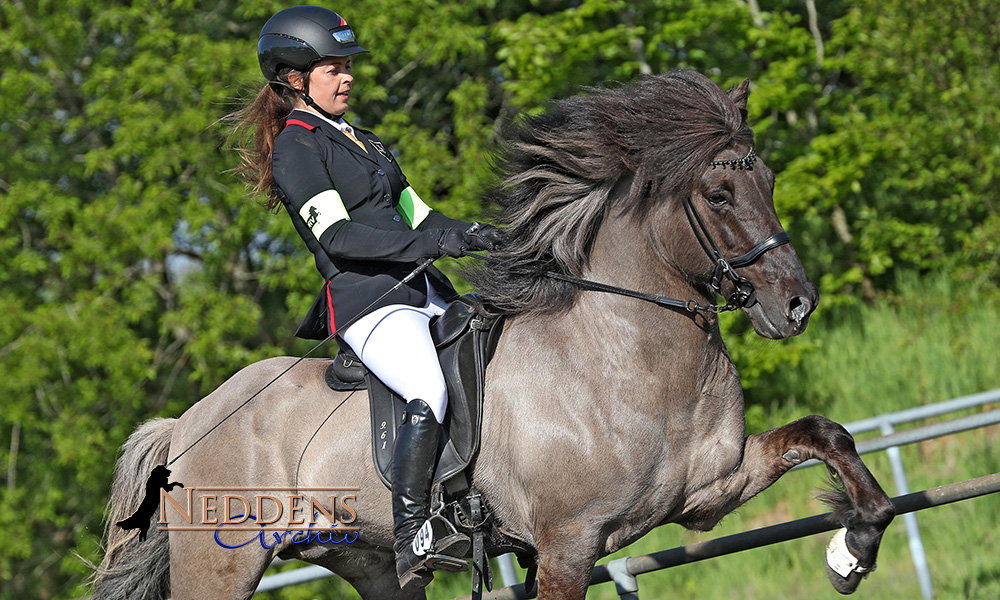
(718, 421)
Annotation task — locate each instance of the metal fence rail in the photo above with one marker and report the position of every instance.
(624, 570)
(295, 577)
(924, 412)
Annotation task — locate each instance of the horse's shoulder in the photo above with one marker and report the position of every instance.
(719, 378)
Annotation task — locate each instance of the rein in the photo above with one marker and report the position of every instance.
(743, 296)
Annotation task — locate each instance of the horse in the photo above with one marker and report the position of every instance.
(604, 416)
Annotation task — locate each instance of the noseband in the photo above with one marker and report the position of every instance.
(744, 295)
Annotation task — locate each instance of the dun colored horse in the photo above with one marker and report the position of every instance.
(605, 416)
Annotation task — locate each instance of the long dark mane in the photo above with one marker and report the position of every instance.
(558, 170)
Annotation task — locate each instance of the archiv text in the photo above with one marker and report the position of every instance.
(237, 518)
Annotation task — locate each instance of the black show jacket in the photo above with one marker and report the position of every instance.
(345, 204)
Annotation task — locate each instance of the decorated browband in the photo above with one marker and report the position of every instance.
(737, 163)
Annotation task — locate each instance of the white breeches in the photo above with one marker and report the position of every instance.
(394, 342)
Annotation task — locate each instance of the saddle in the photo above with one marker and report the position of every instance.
(465, 339)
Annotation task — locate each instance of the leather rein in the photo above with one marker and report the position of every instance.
(744, 295)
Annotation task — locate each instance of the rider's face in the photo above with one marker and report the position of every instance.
(330, 83)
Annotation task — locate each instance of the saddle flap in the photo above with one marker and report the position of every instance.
(463, 354)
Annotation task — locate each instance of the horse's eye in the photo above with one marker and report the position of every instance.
(717, 199)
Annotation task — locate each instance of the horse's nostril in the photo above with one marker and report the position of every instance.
(799, 308)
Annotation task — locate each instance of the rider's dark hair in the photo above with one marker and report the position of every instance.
(254, 128)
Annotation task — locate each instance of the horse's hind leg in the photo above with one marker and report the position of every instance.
(371, 573)
(200, 568)
(861, 506)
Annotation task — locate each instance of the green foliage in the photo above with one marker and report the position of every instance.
(905, 174)
(138, 273)
(923, 345)
(112, 178)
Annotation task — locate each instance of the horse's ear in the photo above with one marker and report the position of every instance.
(739, 95)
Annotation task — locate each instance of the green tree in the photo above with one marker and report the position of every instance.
(130, 282)
(905, 174)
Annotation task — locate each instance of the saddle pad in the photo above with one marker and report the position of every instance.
(464, 348)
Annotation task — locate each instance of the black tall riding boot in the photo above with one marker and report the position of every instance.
(413, 461)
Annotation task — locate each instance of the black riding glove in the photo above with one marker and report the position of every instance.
(484, 237)
(453, 243)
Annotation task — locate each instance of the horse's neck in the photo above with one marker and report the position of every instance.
(686, 352)
(615, 347)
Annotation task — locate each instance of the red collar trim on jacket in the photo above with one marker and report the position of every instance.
(301, 123)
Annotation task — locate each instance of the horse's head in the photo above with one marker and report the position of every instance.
(735, 244)
(643, 154)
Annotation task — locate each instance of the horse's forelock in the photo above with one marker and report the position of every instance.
(689, 120)
(559, 169)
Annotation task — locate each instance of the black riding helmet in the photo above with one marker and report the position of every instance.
(299, 36)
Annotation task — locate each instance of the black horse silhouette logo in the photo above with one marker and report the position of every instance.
(140, 519)
(313, 217)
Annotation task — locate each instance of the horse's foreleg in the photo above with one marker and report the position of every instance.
(861, 506)
(566, 556)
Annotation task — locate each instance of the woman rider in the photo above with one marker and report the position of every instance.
(367, 229)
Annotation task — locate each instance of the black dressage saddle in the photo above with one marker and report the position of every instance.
(465, 340)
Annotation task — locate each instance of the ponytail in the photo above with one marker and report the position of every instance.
(255, 127)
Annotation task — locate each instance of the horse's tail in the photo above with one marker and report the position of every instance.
(132, 569)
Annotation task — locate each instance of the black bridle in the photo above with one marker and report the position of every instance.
(744, 295)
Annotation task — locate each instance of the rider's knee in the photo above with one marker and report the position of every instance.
(437, 398)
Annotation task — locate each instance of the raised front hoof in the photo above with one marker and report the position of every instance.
(844, 585)
(842, 568)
